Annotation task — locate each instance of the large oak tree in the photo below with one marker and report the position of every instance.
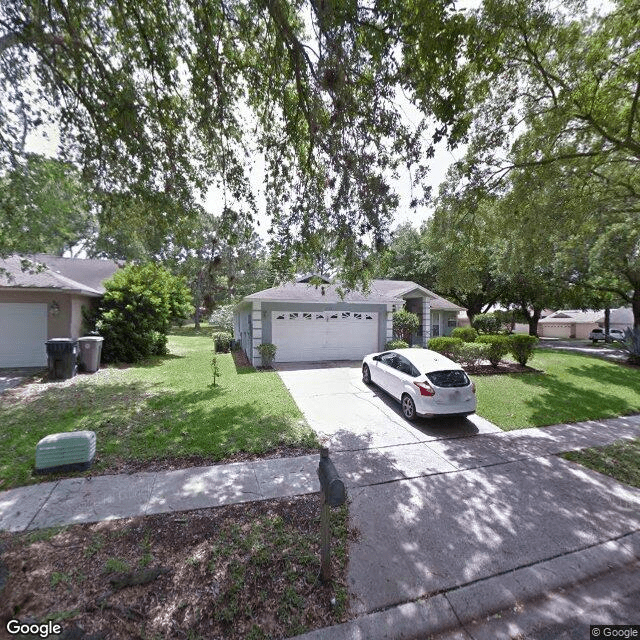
(159, 100)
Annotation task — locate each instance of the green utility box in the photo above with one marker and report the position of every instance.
(71, 451)
(62, 357)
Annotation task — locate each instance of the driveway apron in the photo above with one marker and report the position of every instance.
(351, 415)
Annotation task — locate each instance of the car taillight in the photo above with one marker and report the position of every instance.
(425, 389)
(473, 387)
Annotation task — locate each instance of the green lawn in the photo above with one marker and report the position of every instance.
(572, 388)
(620, 461)
(164, 407)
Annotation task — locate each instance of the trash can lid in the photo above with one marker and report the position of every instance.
(59, 340)
(91, 339)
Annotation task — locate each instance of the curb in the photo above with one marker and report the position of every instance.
(466, 604)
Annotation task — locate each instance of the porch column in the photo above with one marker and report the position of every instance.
(256, 332)
(389, 333)
(426, 321)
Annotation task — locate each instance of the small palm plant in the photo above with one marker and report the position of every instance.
(632, 344)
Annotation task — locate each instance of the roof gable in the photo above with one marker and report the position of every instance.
(52, 272)
(380, 292)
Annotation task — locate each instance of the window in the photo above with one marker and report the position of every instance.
(306, 316)
(452, 322)
(346, 315)
(319, 316)
(357, 316)
(455, 378)
(368, 316)
(294, 316)
(280, 316)
(334, 315)
(404, 366)
(389, 359)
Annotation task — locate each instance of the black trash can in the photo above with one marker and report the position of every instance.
(62, 355)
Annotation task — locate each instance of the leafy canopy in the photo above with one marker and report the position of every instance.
(158, 101)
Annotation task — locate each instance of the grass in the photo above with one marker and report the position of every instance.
(164, 407)
(572, 388)
(620, 461)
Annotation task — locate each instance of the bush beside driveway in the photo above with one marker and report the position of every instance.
(164, 409)
(572, 388)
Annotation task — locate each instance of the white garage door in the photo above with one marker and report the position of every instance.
(323, 335)
(23, 332)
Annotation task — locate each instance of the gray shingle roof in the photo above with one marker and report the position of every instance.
(381, 292)
(62, 274)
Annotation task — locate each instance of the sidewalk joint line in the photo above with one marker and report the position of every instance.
(35, 515)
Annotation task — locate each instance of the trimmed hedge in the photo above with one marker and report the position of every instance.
(448, 347)
(499, 346)
(486, 323)
(521, 347)
(222, 341)
(466, 334)
(471, 353)
(396, 344)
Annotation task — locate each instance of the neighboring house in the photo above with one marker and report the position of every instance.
(569, 324)
(37, 305)
(621, 318)
(311, 322)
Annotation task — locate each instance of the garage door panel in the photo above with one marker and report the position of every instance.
(23, 333)
(324, 335)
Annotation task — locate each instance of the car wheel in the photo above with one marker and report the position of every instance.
(408, 407)
(366, 374)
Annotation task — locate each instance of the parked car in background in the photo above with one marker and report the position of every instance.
(615, 335)
(425, 382)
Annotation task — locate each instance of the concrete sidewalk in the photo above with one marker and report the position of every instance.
(450, 529)
(78, 500)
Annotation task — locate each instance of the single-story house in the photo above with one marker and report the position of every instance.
(45, 301)
(621, 318)
(313, 322)
(570, 324)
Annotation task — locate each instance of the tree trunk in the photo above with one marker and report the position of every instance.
(196, 318)
(473, 309)
(635, 306)
(607, 321)
(533, 321)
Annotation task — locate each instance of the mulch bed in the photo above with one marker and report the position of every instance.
(239, 571)
(503, 367)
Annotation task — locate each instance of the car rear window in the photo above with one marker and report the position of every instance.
(455, 378)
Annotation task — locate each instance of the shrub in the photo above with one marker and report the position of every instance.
(466, 334)
(396, 344)
(471, 353)
(448, 347)
(222, 318)
(222, 341)
(405, 324)
(486, 323)
(521, 347)
(137, 310)
(267, 353)
(499, 346)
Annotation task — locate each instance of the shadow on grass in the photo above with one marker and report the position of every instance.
(563, 401)
(141, 421)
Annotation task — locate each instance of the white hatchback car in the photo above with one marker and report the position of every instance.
(425, 382)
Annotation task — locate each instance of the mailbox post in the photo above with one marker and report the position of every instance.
(332, 494)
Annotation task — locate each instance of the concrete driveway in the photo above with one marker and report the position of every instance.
(608, 351)
(352, 415)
